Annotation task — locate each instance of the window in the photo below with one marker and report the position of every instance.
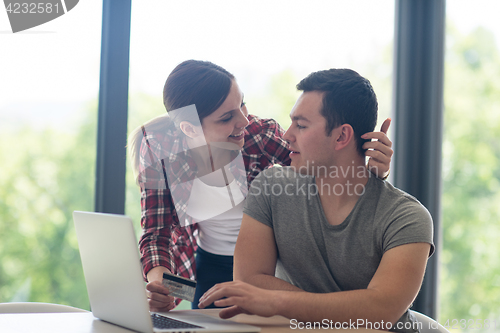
(48, 114)
(470, 270)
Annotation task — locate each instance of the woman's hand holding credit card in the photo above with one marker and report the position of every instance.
(179, 287)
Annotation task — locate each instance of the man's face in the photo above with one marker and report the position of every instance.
(310, 145)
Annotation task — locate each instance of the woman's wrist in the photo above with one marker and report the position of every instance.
(156, 273)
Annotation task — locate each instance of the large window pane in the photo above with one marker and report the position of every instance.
(49, 86)
(470, 272)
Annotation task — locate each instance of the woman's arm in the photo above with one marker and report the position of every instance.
(159, 253)
(157, 223)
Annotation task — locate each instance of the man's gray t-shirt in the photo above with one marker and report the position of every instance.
(319, 257)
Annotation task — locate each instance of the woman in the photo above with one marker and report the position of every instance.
(186, 164)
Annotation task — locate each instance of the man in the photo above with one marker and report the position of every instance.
(323, 239)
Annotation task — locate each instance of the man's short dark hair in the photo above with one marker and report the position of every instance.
(348, 98)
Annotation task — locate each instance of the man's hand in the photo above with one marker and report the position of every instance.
(241, 297)
(158, 298)
(379, 151)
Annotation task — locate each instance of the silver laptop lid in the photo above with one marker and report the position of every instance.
(112, 269)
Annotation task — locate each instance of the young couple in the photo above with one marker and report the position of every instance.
(306, 256)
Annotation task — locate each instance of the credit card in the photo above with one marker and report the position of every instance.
(179, 286)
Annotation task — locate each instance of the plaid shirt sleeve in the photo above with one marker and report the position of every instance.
(163, 241)
(264, 145)
(267, 139)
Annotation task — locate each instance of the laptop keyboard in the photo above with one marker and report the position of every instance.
(166, 322)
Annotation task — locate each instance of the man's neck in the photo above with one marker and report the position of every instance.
(345, 182)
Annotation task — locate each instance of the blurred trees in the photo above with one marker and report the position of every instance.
(46, 175)
(277, 98)
(470, 270)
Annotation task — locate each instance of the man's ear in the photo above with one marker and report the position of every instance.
(344, 135)
(189, 129)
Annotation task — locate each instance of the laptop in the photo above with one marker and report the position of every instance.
(116, 289)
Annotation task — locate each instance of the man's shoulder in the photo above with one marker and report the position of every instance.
(394, 198)
(386, 190)
(400, 213)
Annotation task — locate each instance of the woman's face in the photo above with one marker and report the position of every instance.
(227, 123)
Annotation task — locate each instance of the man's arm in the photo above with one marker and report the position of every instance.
(255, 256)
(388, 295)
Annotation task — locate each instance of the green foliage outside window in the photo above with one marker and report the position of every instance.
(470, 271)
(46, 175)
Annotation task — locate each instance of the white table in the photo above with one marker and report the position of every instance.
(82, 322)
